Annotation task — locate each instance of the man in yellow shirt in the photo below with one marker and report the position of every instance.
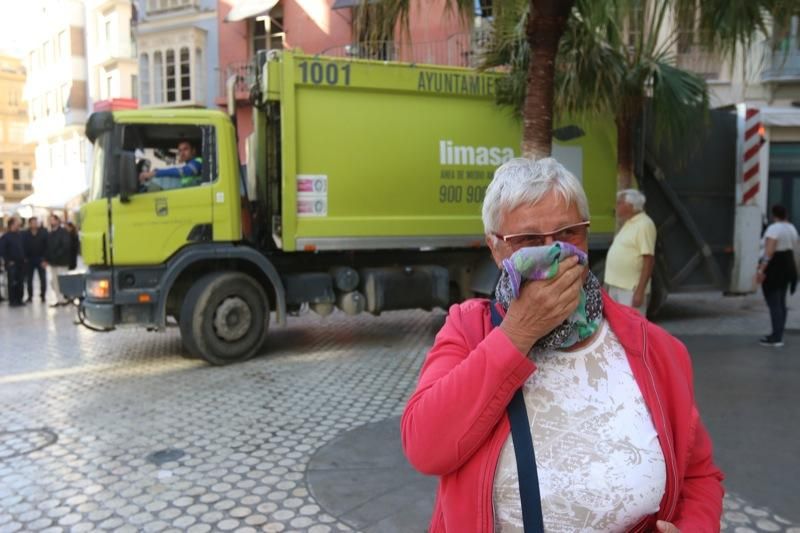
(630, 260)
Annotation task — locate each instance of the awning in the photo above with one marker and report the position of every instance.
(245, 9)
(786, 117)
(51, 199)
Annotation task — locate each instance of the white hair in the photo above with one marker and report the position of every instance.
(523, 181)
(632, 197)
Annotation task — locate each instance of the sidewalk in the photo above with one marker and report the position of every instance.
(711, 313)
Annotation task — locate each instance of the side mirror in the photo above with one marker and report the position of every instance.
(128, 176)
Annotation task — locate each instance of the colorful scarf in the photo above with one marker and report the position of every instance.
(540, 263)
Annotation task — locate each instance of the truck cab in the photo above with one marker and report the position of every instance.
(136, 235)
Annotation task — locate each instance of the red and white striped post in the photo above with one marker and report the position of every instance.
(750, 194)
(751, 176)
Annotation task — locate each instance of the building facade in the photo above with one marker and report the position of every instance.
(56, 90)
(177, 50)
(16, 156)
(80, 56)
(111, 51)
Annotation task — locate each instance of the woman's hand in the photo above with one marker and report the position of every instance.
(666, 527)
(543, 305)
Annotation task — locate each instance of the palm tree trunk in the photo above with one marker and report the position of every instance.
(546, 24)
(628, 115)
(624, 153)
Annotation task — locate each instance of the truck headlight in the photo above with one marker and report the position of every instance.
(99, 288)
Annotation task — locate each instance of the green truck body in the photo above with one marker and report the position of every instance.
(363, 190)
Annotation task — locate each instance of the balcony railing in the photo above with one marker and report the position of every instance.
(460, 49)
(782, 64)
(157, 7)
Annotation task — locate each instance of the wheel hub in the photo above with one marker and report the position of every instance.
(232, 319)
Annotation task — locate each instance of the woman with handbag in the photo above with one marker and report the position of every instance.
(777, 272)
(552, 408)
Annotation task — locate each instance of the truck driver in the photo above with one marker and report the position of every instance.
(187, 175)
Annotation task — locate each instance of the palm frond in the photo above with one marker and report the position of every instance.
(508, 35)
(679, 101)
(592, 62)
(379, 21)
(509, 48)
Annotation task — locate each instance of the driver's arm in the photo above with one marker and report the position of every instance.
(191, 168)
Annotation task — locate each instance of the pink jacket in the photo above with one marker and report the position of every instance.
(455, 423)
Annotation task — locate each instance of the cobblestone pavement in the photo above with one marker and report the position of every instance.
(121, 432)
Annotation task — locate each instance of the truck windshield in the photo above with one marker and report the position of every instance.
(98, 167)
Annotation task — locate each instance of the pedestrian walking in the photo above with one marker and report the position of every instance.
(74, 245)
(777, 272)
(59, 244)
(631, 258)
(553, 406)
(13, 254)
(34, 241)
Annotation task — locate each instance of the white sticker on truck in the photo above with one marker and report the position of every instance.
(312, 195)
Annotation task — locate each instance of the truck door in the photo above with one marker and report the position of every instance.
(169, 211)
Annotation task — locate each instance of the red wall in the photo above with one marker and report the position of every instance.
(312, 26)
(233, 39)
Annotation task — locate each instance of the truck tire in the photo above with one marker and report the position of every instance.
(224, 318)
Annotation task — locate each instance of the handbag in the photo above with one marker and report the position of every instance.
(528, 478)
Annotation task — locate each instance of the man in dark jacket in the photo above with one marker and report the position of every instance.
(75, 245)
(59, 244)
(13, 255)
(34, 240)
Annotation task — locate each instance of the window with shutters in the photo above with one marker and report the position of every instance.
(173, 74)
(144, 79)
(170, 76)
(158, 78)
(186, 75)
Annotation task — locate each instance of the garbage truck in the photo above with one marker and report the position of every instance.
(362, 192)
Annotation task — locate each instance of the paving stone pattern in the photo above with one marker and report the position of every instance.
(120, 432)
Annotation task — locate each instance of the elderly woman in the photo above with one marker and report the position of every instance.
(599, 396)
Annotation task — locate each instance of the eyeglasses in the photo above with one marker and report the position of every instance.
(573, 234)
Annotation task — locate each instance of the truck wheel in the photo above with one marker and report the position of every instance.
(224, 318)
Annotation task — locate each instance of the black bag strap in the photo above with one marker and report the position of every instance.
(528, 478)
